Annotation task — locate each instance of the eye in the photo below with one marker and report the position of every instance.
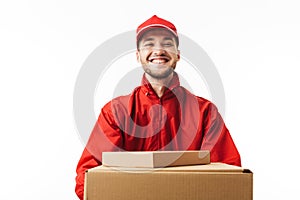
(168, 44)
(148, 44)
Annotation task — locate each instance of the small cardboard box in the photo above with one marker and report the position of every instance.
(153, 159)
(215, 181)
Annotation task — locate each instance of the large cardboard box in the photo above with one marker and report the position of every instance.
(215, 181)
(154, 159)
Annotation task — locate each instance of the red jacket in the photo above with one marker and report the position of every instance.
(142, 121)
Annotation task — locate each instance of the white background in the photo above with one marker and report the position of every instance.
(43, 44)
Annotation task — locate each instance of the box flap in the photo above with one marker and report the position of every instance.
(212, 167)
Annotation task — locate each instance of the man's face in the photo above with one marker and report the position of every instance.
(158, 53)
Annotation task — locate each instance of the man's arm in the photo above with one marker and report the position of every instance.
(87, 161)
(218, 140)
(106, 136)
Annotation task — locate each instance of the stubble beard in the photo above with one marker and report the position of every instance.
(158, 75)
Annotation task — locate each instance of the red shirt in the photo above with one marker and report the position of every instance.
(141, 121)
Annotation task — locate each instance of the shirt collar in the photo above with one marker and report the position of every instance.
(147, 88)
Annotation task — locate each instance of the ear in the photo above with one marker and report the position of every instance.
(178, 55)
(137, 53)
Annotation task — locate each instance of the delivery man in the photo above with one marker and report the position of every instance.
(159, 114)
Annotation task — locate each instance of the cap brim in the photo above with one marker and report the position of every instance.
(146, 28)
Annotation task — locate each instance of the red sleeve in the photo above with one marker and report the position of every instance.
(218, 140)
(86, 162)
(106, 136)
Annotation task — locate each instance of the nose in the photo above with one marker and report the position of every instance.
(158, 50)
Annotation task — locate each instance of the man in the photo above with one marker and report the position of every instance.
(160, 114)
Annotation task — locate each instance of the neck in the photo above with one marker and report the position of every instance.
(159, 85)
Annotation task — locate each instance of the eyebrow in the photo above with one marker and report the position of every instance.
(151, 39)
(168, 38)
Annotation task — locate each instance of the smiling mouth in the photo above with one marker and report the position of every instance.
(158, 60)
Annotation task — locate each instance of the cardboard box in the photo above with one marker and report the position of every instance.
(153, 159)
(215, 181)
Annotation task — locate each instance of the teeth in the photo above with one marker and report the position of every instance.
(158, 61)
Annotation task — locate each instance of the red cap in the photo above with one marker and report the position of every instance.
(156, 22)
